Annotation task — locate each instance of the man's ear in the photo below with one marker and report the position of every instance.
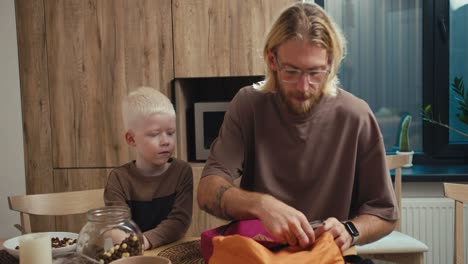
(271, 61)
(330, 62)
(130, 138)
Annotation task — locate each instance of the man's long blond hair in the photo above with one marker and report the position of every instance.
(306, 21)
(143, 102)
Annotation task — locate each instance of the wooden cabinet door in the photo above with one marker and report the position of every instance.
(222, 38)
(201, 220)
(98, 50)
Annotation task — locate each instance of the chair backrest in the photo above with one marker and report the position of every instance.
(54, 204)
(396, 162)
(458, 192)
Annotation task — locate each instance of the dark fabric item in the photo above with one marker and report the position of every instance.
(355, 259)
(329, 162)
(147, 215)
(6, 258)
(166, 199)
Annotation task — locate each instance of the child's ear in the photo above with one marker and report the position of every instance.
(130, 138)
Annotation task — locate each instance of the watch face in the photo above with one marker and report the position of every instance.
(352, 230)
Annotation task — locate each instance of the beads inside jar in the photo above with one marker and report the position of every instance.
(110, 234)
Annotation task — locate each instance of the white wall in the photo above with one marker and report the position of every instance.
(12, 175)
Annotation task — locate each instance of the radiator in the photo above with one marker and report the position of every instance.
(431, 220)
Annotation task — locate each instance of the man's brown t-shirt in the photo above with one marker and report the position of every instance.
(329, 162)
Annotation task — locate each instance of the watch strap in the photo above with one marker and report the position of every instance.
(351, 229)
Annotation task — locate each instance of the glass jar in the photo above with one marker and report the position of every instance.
(110, 234)
(72, 258)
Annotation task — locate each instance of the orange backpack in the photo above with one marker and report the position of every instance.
(237, 249)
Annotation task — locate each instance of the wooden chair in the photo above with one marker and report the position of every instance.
(55, 204)
(458, 192)
(396, 247)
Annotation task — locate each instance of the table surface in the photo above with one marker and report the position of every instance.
(155, 251)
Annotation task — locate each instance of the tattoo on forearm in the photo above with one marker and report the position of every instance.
(226, 215)
(207, 209)
(216, 208)
(219, 196)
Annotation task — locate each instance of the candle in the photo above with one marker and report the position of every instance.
(35, 248)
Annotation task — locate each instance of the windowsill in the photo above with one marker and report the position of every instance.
(435, 173)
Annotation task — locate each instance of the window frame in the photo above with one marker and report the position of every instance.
(435, 84)
(320, 3)
(435, 59)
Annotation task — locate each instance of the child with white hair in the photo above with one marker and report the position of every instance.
(155, 186)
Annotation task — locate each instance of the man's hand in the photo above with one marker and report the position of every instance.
(285, 223)
(342, 238)
(370, 227)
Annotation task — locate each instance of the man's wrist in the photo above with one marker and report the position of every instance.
(352, 231)
(354, 240)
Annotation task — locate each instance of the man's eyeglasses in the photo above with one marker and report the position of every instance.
(292, 75)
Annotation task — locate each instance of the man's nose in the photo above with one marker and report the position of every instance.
(303, 83)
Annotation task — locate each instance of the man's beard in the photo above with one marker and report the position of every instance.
(309, 99)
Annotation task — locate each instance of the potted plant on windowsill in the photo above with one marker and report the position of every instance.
(404, 146)
(461, 97)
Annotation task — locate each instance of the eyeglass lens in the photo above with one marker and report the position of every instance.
(294, 75)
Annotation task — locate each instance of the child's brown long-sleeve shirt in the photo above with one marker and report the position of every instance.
(161, 206)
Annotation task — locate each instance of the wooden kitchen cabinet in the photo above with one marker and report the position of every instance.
(66, 180)
(77, 60)
(201, 220)
(97, 51)
(86, 56)
(214, 38)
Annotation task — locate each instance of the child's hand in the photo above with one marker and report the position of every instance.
(116, 236)
(147, 243)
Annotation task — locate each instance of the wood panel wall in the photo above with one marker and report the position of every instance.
(77, 60)
(66, 180)
(35, 105)
(97, 52)
(222, 38)
(201, 220)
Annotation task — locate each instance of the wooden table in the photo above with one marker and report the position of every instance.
(185, 251)
(155, 251)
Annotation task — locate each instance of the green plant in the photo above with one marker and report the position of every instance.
(461, 98)
(404, 134)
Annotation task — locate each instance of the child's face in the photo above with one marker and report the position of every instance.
(154, 138)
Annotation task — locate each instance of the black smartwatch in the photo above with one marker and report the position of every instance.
(352, 230)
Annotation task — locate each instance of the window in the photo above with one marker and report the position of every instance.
(384, 60)
(445, 58)
(400, 59)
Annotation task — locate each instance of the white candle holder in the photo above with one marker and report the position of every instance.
(35, 248)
